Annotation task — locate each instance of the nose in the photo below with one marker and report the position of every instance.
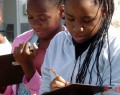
(78, 28)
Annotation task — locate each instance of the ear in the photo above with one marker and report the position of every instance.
(104, 12)
(61, 8)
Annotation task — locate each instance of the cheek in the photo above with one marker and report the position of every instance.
(0, 20)
(31, 22)
(89, 30)
(92, 28)
(49, 27)
(69, 25)
(53, 24)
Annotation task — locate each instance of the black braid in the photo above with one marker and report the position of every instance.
(108, 5)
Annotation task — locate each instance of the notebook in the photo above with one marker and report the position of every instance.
(9, 73)
(77, 89)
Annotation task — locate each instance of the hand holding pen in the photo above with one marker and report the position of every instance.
(58, 82)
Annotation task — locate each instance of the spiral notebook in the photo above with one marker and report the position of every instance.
(77, 89)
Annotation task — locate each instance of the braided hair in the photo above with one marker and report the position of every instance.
(98, 42)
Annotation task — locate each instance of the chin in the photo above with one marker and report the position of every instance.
(80, 41)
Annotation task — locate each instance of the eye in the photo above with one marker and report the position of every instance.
(69, 18)
(43, 18)
(88, 19)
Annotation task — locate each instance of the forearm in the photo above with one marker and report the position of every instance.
(28, 70)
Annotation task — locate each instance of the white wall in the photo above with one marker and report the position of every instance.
(9, 7)
(116, 16)
(21, 9)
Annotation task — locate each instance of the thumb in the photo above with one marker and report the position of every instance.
(35, 49)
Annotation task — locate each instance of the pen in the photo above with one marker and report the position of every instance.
(53, 72)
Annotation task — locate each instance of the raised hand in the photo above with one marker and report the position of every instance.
(24, 56)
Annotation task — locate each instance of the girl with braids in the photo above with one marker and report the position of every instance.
(88, 52)
(45, 18)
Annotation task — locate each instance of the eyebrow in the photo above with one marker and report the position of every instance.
(81, 16)
(88, 17)
(68, 14)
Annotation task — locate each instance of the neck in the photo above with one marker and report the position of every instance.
(43, 44)
(2, 39)
(58, 29)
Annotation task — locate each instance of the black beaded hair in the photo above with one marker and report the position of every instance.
(108, 5)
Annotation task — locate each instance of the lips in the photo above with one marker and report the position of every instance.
(79, 38)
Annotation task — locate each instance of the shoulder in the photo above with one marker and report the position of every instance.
(114, 40)
(113, 32)
(62, 37)
(114, 35)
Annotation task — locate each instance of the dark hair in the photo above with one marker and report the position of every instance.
(98, 42)
(59, 1)
(56, 1)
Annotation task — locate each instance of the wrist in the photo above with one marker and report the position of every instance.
(28, 70)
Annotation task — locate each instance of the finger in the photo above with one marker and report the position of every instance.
(26, 49)
(67, 83)
(59, 84)
(59, 78)
(35, 46)
(15, 52)
(21, 47)
(55, 84)
(58, 81)
(35, 49)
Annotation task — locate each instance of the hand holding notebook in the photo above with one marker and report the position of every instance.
(58, 82)
(60, 87)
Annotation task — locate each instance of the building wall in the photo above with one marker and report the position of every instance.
(23, 20)
(22, 10)
(10, 17)
(13, 13)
